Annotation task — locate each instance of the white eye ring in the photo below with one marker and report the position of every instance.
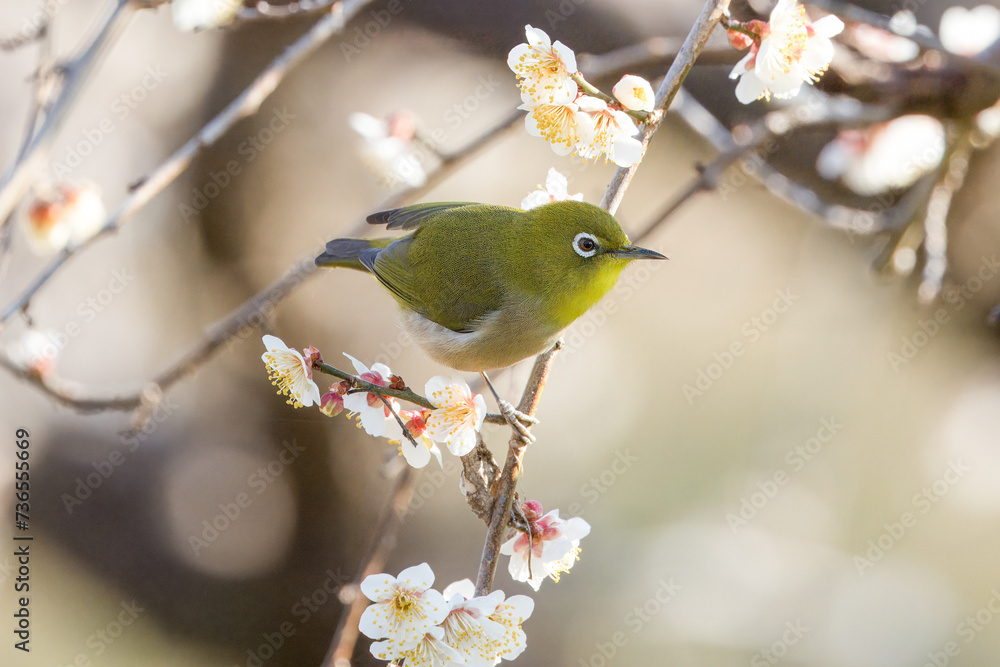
(585, 244)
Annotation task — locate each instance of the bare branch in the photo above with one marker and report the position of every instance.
(15, 182)
(511, 472)
(246, 104)
(713, 12)
(956, 166)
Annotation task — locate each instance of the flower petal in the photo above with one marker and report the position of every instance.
(359, 367)
(418, 577)
(417, 457)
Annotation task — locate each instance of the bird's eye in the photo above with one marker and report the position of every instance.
(585, 244)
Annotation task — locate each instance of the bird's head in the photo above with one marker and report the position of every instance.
(576, 250)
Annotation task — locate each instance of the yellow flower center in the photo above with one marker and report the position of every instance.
(556, 122)
(794, 32)
(285, 372)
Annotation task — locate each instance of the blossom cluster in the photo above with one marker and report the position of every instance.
(454, 421)
(785, 52)
(583, 122)
(549, 547)
(415, 623)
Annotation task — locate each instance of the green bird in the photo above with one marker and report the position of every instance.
(481, 287)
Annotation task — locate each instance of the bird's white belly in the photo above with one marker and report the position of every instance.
(499, 340)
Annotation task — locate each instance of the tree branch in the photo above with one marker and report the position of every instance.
(713, 12)
(246, 104)
(33, 156)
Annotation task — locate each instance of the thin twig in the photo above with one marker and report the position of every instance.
(652, 52)
(15, 182)
(935, 223)
(342, 646)
(43, 88)
(511, 472)
(265, 11)
(405, 394)
(756, 142)
(246, 104)
(713, 12)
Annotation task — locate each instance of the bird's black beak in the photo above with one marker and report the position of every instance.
(635, 252)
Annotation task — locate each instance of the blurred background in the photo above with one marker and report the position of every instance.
(827, 496)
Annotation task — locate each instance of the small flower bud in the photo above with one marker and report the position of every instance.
(69, 214)
(312, 355)
(739, 40)
(634, 93)
(396, 382)
(331, 403)
(532, 510)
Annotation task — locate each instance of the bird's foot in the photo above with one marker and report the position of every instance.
(520, 422)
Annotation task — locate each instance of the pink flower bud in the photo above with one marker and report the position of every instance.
(331, 403)
(532, 510)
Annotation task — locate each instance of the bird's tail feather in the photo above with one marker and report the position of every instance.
(345, 252)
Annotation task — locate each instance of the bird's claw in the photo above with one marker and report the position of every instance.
(520, 422)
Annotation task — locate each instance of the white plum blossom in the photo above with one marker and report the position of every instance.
(290, 373)
(886, 156)
(791, 51)
(70, 214)
(509, 615)
(34, 351)
(562, 125)
(544, 68)
(968, 32)
(468, 627)
(552, 548)
(405, 609)
(610, 132)
(373, 414)
(416, 426)
(431, 651)
(634, 93)
(388, 148)
(458, 414)
(195, 15)
(883, 45)
(556, 189)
